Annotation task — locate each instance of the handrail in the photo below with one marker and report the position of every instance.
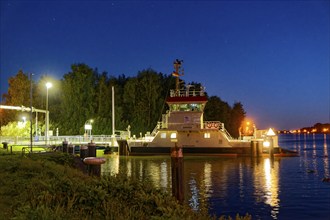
(229, 137)
(187, 92)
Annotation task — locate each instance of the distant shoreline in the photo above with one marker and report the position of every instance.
(318, 128)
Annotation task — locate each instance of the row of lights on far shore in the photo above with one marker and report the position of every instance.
(314, 130)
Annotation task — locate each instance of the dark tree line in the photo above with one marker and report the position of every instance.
(84, 93)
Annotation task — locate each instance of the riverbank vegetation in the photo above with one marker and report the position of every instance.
(46, 186)
(85, 93)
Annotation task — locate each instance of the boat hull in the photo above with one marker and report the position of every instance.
(201, 151)
(222, 151)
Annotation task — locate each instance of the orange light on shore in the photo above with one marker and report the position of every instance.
(247, 127)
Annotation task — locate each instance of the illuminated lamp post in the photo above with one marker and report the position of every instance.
(48, 85)
(270, 134)
(88, 128)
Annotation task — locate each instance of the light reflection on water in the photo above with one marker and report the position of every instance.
(268, 189)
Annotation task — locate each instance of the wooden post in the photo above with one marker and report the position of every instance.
(271, 148)
(254, 148)
(123, 148)
(177, 173)
(259, 148)
(65, 147)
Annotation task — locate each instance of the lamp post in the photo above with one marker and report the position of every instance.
(270, 134)
(88, 127)
(48, 85)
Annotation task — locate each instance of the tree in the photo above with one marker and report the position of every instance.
(236, 118)
(217, 110)
(18, 95)
(16, 129)
(78, 93)
(103, 105)
(83, 94)
(143, 97)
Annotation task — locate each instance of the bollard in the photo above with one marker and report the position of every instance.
(177, 173)
(71, 149)
(83, 151)
(94, 165)
(5, 145)
(271, 148)
(259, 149)
(91, 149)
(123, 148)
(94, 170)
(65, 146)
(253, 148)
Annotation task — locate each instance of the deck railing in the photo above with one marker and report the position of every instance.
(187, 92)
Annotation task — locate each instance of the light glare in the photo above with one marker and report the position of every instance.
(49, 85)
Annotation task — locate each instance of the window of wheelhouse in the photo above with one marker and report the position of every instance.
(207, 135)
(187, 107)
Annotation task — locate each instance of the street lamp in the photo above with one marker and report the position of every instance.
(48, 85)
(88, 127)
(270, 134)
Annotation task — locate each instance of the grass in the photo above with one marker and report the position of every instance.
(46, 186)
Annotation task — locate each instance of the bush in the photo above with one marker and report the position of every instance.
(47, 187)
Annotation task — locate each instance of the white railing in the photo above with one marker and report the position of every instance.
(54, 140)
(187, 92)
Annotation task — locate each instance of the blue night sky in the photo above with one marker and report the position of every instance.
(273, 56)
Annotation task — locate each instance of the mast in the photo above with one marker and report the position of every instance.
(177, 73)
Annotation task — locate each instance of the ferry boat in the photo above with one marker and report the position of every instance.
(183, 126)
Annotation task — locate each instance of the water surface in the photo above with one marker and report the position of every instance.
(285, 188)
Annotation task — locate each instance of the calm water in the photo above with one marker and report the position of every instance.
(286, 188)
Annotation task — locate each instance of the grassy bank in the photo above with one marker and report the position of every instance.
(46, 186)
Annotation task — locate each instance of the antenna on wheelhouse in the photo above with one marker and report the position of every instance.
(177, 73)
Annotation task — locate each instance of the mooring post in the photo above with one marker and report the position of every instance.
(65, 146)
(271, 148)
(83, 151)
(259, 149)
(177, 173)
(91, 149)
(123, 148)
(94, 170)
(71, 149)
(254, 147)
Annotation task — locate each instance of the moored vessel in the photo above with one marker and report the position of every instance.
(184, 125)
